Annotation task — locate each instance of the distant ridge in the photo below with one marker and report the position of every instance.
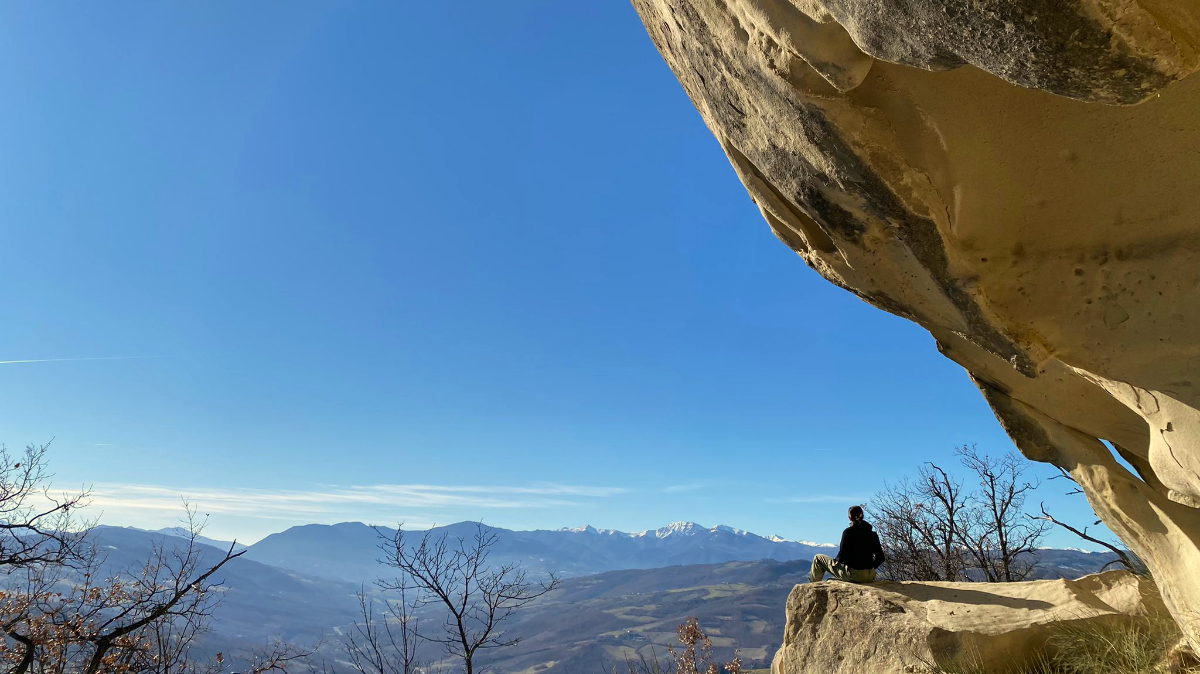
(350, 550)
(684, 529)
(180, 532)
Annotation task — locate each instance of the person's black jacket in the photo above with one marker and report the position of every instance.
(860, 548)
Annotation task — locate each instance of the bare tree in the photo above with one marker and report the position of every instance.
(37, 527)
(932, 528)
(920, 525)
(1000, 538)
(172, 588)
(387, 645)
(63, 611)
(40, 539)
(138, 621)
(478, 597)
(277, 656)
(169, 646)
(695, 652)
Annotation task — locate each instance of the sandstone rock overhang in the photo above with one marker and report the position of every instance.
(1021, 178)
(885, 628)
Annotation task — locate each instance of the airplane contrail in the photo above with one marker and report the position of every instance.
(68, 360)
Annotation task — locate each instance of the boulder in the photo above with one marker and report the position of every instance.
(894, 628)
(1020, 178)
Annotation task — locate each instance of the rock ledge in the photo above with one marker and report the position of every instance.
(887, 627)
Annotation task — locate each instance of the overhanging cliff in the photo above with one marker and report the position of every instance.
(1021, 178)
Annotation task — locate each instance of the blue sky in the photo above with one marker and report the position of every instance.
(424, 262)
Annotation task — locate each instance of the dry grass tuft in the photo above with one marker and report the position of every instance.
(1139, 646)
(1130, 647)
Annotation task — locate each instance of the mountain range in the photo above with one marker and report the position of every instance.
(351, 550)
(623, 596)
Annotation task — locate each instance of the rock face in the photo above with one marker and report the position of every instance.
(886, 628)
(1020, 177)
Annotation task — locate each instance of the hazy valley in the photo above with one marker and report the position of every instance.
(623, 595)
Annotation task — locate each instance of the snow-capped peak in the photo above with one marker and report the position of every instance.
(589, 529)
(682, 528)
(687, 529)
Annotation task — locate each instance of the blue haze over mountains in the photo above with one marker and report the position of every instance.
(351, 549)
(621, 589)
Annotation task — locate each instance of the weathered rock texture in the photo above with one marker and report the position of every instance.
(886, 628)
(1020, 177)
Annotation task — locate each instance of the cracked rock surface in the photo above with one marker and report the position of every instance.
(1021, 178)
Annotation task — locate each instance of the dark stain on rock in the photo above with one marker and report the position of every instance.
(1026, 433)
(1040, 44)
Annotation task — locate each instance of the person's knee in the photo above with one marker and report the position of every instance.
(818, 569)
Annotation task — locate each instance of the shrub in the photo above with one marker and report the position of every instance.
(692, 655)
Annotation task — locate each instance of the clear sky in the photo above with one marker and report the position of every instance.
(424, 262)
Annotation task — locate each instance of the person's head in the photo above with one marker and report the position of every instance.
(856, 513)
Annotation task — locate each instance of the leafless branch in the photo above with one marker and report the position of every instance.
(478, 596)
(1123, 558)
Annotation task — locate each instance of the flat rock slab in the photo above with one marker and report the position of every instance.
(842, 628)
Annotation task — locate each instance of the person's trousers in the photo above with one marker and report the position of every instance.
(823, 564)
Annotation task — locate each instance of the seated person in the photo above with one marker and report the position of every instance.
(858, 555)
